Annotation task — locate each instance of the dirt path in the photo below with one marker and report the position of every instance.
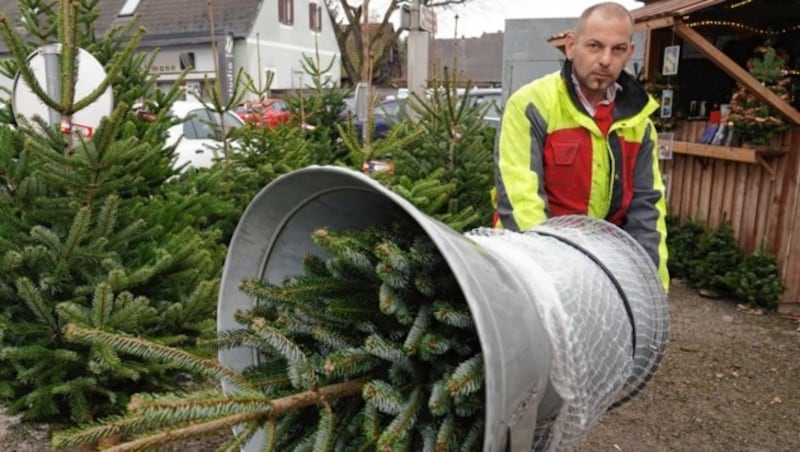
(730, 381)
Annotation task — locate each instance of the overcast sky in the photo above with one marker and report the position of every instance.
(479, 16)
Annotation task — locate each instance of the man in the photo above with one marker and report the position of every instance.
(580, 141)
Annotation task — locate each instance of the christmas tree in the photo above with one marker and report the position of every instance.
(757, 122)
(88, 236)
(371, 348)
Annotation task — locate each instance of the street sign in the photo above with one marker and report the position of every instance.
(45, 64)
(427, 19)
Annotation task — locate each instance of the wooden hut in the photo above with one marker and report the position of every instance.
(756, 189)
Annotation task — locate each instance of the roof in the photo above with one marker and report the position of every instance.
(670, 8)
(662, 8)
(168, 20)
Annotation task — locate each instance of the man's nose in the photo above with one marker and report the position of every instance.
(605, 57)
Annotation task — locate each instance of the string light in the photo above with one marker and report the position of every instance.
(741, 26)
(741, 3)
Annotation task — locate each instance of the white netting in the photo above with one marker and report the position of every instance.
(607, 318)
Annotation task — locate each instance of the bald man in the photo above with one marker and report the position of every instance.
(580, 141)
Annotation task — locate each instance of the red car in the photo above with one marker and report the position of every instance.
(267, 112)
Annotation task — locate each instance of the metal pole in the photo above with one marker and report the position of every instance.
(52, 70)
(417, 64)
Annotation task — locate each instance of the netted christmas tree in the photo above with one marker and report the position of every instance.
(372, 347)
(757, 122)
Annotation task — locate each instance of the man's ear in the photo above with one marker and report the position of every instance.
(569, 44)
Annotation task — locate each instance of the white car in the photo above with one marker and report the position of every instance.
(198, 140)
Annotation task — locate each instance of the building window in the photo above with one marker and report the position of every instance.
(315, 16)
(286, 12)
(129, 7)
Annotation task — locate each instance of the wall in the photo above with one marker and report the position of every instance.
(528, 55)
(762, 208)
(280, 48)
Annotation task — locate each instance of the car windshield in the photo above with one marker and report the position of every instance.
(200, 125)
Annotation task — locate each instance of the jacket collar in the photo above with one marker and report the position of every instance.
(631, 100)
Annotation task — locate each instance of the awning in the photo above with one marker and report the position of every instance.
(655, 15)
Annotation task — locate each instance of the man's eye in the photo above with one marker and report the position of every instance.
(593, 45)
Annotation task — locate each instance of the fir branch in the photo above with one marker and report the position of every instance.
(323, 437)
(351, 309)
(177, 409)
(149, 350)
(385, 397)
(474, 438)
(390, 254)
(113, 426)
(391, 276)
(19, 52)
(313, 265)
(348, 363)
(33, 299)
(391, 302)
(467, 378)
(418, 328)
(428, 434)
(102, 305)
(432, 345)
(330, 338)
(439, 400)
(386, 350)
(445, 437)
(77, 232)
(278, 341)
(425, 284)
(107, 217)
(450, 314)
(134, 423)
(402, 424)
(47, 238)
(371, 425)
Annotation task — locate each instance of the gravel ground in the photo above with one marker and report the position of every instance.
(730, 381)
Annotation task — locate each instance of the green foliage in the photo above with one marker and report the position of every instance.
(682, 240)
(444, 166)
(86, 238)
(318, 113)
(758, 122)
(718, 254)
(711, 259)
(418, 370)
(757, 280)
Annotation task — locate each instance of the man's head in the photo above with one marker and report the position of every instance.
(600, 46)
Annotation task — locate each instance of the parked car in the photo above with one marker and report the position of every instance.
(491, 96)
(381, 124)
(267, 112)
(200, 135)
(396, 109)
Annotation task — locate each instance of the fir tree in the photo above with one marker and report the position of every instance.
(84, 235)
(757, 121)
(354, 356)
(446, 161)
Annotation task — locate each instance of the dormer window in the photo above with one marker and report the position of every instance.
(129, 8)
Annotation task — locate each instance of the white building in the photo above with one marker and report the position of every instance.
(260, 36)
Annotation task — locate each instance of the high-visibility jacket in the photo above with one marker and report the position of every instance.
(553, 159)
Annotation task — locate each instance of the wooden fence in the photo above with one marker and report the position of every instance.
(758, 192)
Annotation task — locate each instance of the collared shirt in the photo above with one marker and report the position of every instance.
(611, 94)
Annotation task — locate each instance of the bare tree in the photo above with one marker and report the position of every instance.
(348, 26)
